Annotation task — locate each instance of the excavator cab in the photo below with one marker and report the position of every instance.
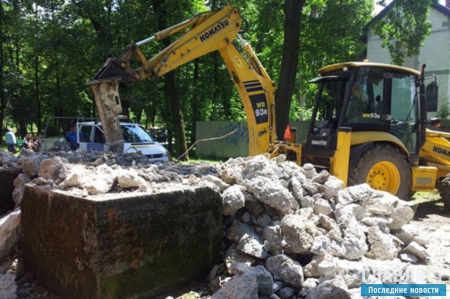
(365, 126)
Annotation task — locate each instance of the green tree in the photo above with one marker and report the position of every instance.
(327, 32)
(331, 33)
(50, 49)
(404, 28)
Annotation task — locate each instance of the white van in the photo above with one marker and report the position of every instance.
(136, 138)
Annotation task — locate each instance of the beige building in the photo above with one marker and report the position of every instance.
(435, 53)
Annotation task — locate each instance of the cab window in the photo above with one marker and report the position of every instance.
(404, 111)
(366, 105)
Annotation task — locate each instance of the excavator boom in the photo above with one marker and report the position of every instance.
(204, 33)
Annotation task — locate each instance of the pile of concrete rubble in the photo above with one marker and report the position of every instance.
(290, 232)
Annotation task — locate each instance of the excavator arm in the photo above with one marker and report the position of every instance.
(204, 33)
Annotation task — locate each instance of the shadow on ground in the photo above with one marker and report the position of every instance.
(435, 206)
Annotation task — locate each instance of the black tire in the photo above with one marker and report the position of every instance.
(384, 168)
(444, 190)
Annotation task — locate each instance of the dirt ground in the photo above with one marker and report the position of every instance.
(432, 221)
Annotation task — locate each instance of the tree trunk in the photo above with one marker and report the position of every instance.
(291, 46)
(36, 70)
(38, 101)
(172, 94)
(194, 104)
(177, 115)
(2, 94)
(22, 129)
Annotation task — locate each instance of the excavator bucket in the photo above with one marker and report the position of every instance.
(111, 70)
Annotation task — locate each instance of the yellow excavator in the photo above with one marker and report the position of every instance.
(205, 33)
(369, 122)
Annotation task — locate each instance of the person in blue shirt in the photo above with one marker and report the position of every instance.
(71, 137)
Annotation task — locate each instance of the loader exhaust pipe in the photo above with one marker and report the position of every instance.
(422, 107)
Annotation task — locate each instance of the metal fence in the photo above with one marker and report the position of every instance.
(236, 145)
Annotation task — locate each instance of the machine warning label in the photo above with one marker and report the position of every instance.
(259, 104)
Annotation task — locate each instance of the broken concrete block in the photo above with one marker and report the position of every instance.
(10, 233)
(107, 244)
(285, 269)
(381, 244)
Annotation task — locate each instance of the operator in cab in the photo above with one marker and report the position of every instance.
(358, 102)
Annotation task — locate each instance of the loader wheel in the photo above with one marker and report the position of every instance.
(444, 190)
(383, 168)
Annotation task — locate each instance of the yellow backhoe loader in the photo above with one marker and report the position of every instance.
(369, 122)
(369, 125)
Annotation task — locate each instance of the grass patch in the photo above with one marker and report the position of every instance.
(5, 148)
(205, 160)
(420, 197)
(198, 159)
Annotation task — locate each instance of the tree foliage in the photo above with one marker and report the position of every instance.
(404, 28)
(50, 50)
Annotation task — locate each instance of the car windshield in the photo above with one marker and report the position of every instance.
(133, 133)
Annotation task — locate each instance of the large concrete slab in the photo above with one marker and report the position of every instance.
(126, 247)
